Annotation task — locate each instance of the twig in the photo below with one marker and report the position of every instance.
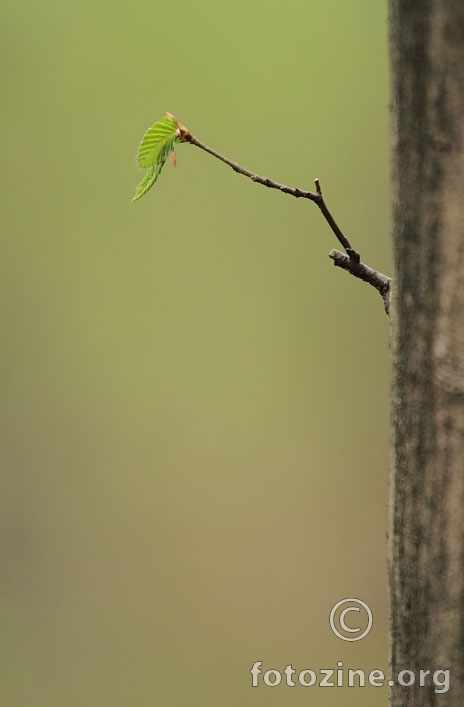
(293, 191)
(351, 261)
(381, 282)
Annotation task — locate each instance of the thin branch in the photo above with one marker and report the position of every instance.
(351, 261)
(343, 240)
(293, 191)
(381, 282)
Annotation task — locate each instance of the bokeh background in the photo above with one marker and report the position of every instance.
(194, 401)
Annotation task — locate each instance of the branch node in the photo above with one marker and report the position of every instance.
(381, 282)
(353, 255)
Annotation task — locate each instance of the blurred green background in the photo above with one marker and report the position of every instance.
(194, 401)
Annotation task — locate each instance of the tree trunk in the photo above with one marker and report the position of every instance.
(426, 536)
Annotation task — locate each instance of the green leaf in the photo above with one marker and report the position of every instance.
(146, 183)
(157, 142)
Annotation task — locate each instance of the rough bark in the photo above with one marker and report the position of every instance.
(426, 538)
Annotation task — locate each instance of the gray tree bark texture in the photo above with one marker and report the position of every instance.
(426, 524)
